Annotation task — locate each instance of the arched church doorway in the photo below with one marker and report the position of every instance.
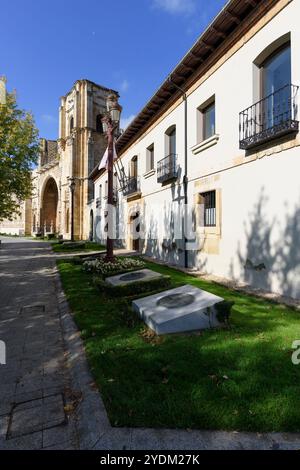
(49, 207)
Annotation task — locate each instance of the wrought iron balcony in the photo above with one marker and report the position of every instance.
(272, 117)
(131, 186)
(167, 168)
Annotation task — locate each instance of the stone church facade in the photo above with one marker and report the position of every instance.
(75, 154)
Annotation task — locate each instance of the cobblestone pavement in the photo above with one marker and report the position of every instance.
(35, 389)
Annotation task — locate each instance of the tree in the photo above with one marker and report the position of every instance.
(19, 149)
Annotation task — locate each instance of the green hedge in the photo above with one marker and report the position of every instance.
(132, 289)
(224, 311)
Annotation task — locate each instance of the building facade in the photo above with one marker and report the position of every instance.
(218, 146)
(79, 148)
(20, 224)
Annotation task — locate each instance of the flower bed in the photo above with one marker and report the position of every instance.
(119, 266)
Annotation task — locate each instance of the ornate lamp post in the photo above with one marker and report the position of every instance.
(72, 188)
(110, 123)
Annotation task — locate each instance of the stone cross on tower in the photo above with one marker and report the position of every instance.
(2, 90)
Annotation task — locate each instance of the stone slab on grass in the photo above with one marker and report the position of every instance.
(133, 276)
(183, 309)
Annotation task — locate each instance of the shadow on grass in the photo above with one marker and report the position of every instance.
(240, 378)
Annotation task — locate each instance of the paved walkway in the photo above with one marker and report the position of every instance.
(48, 399)
(35, 382)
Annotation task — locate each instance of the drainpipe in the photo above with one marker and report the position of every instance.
(185, 177)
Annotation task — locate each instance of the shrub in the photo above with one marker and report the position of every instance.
(119, 266)
(132, 289)
(74, 245)
(224, 311)
(127, 315)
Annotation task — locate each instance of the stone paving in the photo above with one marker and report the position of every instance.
(35, 382)
(48, 399)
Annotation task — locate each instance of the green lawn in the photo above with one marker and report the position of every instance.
(241, 378)
(89, 246)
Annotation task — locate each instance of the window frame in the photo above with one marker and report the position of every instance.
(208, 231)
(209, 198)
(264, 56)
(204, 112)
(150, 155)
(134, 167)
(170, 133)
(200, 133)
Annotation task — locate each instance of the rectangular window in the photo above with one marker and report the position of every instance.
(276, 78)
(172, 142)
(99, 201)
(209, 121)
(209, 201)
(150, 158)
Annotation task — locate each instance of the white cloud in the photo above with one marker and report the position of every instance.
(176, 6)
(124, 85)
(126, 121)
(49, 119)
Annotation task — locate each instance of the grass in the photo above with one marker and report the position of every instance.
(240, 378)
(89, 246)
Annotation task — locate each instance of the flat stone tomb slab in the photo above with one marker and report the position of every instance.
(133, 276)
(185, 308)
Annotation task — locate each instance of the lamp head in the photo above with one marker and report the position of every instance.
(114, 108)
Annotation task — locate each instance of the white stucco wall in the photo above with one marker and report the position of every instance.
(260, 193)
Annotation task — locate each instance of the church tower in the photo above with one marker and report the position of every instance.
(79, 148)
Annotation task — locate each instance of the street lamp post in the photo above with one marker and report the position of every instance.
(110, 123)
(72, 188)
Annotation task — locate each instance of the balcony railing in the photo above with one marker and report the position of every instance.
(167, 168)
(131, 186)
(269, 118)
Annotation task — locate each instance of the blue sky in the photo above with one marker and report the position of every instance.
(128, 45)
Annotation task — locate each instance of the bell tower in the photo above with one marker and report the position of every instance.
(81, 146)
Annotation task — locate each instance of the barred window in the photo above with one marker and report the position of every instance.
(209, 199)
